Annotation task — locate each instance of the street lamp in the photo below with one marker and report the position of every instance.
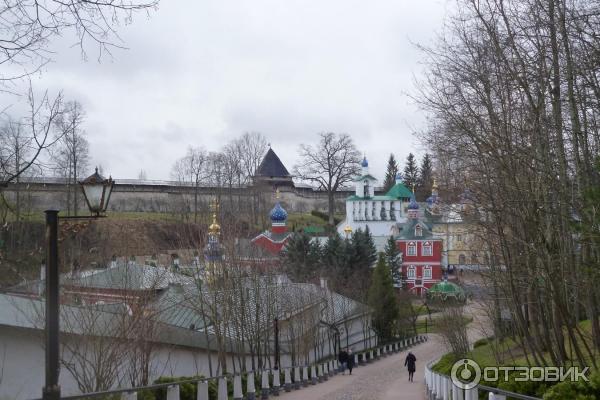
(97, 192)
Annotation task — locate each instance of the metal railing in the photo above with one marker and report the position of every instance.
(441, 387)
(294, 378)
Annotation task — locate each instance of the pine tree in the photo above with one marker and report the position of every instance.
(382, 300)
(425, 181)
(390, 174)
(369, 247)
(411, 172)
(334, 255)
(299, 261)
(393, 260)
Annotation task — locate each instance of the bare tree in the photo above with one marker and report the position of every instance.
(71, 155)
(28, 28)
(512, 91)
(16, 148)
(38, 126)
(192, 169)
(331, 164)
(251, 148)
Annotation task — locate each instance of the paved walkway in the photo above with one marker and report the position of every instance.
(386, 379)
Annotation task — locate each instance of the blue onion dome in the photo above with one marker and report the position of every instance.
(365, 163)
(413, 205)
(398, 178)
(278, 214)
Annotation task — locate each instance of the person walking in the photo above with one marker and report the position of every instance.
(411, 364)
(350, 360)
(343, 360)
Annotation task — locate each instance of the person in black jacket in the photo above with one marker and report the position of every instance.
(411, 364)
(343, 360)
(350, 360)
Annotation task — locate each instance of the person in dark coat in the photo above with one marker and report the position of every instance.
(343, 360)
(350, 360)
(411, 364)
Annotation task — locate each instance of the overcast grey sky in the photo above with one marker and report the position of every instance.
(201, 72)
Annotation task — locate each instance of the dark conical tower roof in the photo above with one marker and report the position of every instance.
(272, 167)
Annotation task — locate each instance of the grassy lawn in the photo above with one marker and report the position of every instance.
(421, 309)
(301, 221)
(431, 326)
(144, 216)
(492, 352)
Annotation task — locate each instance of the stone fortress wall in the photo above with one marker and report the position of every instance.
(167, 197)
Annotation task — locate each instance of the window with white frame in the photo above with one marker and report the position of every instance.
(418, 230)
(427, 272)
(411, 250)
(412, 272)
(427, 249)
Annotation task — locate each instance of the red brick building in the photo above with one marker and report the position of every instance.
(421, 253)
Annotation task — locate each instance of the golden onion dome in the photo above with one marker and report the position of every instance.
(214, 228)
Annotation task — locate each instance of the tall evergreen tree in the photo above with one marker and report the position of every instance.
(334, 255)
(411, 172)
(364, 251)
(390, 174)
(302, 257)
(425, 181)
(382, 300)
(393, 260)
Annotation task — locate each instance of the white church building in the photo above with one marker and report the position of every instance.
(380, 213)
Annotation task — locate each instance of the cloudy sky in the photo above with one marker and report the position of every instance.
(202, 72)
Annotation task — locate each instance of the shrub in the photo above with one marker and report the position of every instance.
(481, 342)
(444, 365)
(580, 390)
(187, 391)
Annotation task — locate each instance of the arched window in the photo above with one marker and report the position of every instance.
(462, 259)
(474, 258)
(418, 230)
(411, 250)
(392, 211)
(427, 249)
(412, 272)
(427, 272)
(366, 189)
(382, 213)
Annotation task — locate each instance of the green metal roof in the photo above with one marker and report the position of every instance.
(445, 290)
(314, 229)
(399, 191)
(362, 178)
(376, 198)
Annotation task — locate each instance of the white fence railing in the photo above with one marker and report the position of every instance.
(441, 387)
(270, 380)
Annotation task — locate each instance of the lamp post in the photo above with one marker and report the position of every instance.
(96, 191)
(276, 332)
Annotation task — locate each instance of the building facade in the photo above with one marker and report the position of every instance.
(379, 212)
(421, 252)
